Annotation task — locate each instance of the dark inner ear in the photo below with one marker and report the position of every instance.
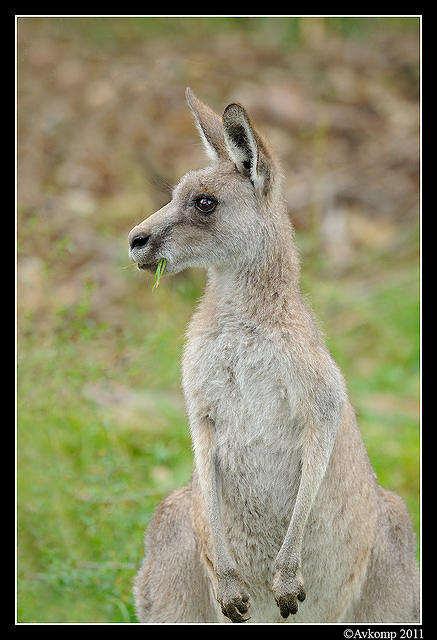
(238, 135)
(246, 148)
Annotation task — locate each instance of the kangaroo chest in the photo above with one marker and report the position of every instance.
(241, 380)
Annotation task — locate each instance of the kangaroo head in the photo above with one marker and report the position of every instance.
(219, 215)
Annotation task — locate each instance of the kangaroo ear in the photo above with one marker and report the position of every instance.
(209, 125)
(246, 148)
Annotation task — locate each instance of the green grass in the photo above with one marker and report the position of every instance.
(89, 481)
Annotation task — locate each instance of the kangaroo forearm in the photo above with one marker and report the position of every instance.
(209, 474)
(222, 557)
(315, 458)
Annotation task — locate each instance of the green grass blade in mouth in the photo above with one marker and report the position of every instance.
(159, 271)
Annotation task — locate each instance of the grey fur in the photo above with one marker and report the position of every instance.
(284, 519)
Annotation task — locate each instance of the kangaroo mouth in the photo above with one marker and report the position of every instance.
(148, 266)
(151, 267)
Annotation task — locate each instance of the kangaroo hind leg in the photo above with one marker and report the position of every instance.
(172, 584)
(391, 590)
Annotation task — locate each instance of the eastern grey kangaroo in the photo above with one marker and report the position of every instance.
(283, 519)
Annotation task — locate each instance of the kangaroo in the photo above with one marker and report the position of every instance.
(283, 519)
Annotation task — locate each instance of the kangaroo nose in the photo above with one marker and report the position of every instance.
(139, 240)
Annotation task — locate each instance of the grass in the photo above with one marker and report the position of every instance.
(91, 479)
(159, 271)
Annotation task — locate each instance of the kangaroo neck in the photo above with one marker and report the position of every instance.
(258, 291)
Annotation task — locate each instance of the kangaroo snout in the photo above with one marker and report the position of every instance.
(139, 245)
(146, 238)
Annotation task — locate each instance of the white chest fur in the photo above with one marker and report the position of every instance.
(241, 380)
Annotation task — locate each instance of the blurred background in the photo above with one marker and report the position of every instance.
(103, 130)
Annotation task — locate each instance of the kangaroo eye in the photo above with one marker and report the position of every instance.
(205, 204)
